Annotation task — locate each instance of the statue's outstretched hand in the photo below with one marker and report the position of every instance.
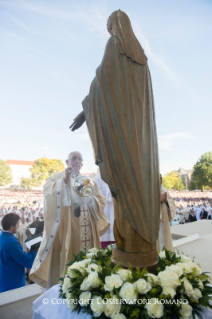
(78, 121)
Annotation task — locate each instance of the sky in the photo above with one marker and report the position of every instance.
(49, 51)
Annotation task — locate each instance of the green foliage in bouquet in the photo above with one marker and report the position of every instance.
(178, 289)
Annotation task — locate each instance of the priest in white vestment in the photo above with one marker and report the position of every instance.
(167, 210)
(71, 223)
(108, 237)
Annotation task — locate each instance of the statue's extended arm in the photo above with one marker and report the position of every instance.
(78, 121)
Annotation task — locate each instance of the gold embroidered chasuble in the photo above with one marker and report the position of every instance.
(64, 233)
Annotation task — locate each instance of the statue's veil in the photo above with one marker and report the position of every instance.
(130, 46)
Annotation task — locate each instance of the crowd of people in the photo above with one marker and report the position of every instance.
(191, 206)
(28, 205)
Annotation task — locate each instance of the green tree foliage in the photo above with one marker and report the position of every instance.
(202, 173)
(44, 168)
(192, 185)
(5, 173)
(173, 181)
(27, 183)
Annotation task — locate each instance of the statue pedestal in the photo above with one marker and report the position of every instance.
(141, 260)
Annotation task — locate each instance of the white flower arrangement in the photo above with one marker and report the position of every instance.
(176, 290)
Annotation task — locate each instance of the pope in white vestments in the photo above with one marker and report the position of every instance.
(108, 237)
(71, 223)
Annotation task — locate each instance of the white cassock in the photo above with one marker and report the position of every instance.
(198, 213)
(108, 210)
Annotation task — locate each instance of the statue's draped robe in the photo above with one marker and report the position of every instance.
(120, 116)
(64, 233)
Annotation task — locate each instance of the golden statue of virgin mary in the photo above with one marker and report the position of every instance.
(120, 116)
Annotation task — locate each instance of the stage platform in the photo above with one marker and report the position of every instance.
(200, 248)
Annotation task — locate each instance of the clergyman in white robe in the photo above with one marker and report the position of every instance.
(65, 232)
(108, 237)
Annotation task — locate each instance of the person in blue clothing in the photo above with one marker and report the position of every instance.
(13, 260)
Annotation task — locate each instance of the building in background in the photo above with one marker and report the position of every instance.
(19, 169)
(185, 174)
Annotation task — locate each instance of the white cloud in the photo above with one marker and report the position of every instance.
(166, 141)
(150, 54)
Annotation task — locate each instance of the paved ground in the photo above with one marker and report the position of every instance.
(18, 310)
(200, 248)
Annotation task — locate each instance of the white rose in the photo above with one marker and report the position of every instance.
(111, 307)
(85, 262)
(154, 309)
(66, 284)
(85, 285)
(112, 281)
(110, 247)
(185, 259)
(93, 279)
(84, 298)
(97, 306)
(162, 254)
(178, 270)
(186, 311)
(118, 316)
(196, 294)
(152, 279)
(142, 286)
(78, 266)
(93, 250)
(168, 278)
(124, 274)
(127, 292)
(186, 268)
(200, 283)
(195, 267)
(90, 255)
(94, 267)
(71, 303)
(169, 291)
(188, 287)
(103, 251)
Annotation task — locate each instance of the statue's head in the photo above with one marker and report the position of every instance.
(119, 24)
(118, 21)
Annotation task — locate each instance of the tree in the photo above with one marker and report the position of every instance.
(202, 173)
(5, 173)
(172, 180)
(27, 183)
(44, 168)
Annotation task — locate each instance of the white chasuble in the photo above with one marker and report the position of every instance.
(71, 224)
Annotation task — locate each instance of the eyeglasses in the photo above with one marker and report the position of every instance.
(74, 158)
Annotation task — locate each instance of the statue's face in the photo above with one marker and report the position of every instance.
(109, 26)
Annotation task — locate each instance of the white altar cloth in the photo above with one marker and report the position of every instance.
(50, 306)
